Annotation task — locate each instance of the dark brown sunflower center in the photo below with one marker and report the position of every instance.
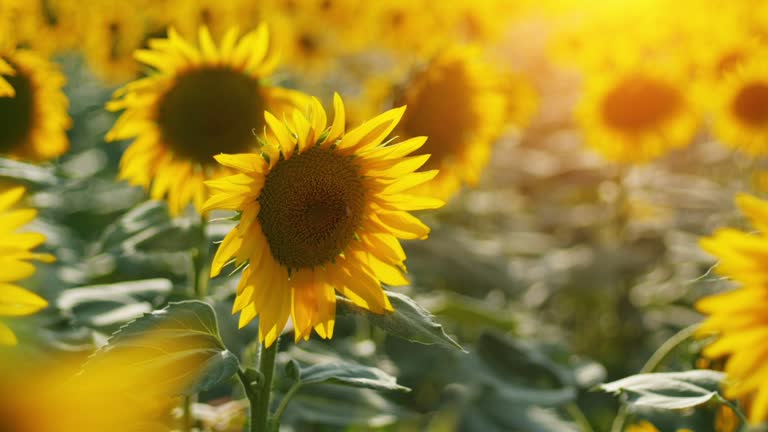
(639, 103)
(751, 104)
(307, 44)
(16, 113)
(211, 111)
(441, 110)
(311, 206)
(729, 62)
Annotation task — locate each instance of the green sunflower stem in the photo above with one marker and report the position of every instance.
(260, 400)
(656, 359)
(200, 262)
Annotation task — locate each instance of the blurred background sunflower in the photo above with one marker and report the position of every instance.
(204, 100)
(34, 109)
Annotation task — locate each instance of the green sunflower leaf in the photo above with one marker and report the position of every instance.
(350, 374)
(33, 175)
(409, 321)
(670, 390)
(182, 339)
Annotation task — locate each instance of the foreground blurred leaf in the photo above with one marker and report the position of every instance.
(350, 374)
(182, 339)
(671, 390)
(519, 373)
(409, 321)
(340, 406)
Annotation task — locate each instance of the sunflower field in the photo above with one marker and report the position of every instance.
(395, 216)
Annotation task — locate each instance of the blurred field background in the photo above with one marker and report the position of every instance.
(569, 262)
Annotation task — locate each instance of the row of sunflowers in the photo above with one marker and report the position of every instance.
(322, 125)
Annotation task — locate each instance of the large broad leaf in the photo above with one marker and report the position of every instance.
(340, 406)
(181, 343)
(518, 372)
(672, 390)
(350, 374)
(409, 321)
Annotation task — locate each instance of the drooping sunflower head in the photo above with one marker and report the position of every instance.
(201, 102)
(321, 211)
(737, 317)
(637, 114)
(741, 112)
(15, 254)
(33, 107)
(456, 100)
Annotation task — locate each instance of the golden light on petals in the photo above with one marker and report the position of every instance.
(321, 212)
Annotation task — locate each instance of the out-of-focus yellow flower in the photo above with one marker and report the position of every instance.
(737, 318)
(406, 27)
(321, 211)
(456, 101)
(724, 55)
(201, 102)
(306, 47)
(132, 388)
(741, 112)
(15, 254)
(32, 105)
(313, 34)
(45, 26)
(637, 113)
(522, 100)
(217, 16)
(114, 32)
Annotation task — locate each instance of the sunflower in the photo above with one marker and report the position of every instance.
(741, 112)
(217, 16)
(637, 113)
(457, 102)
(202, 101)
(522, 99)
(15, 252)
(738, 317)
(306, 47)
(115, 31)
(725, 55)
(321, 211)
(33, 107)
(404, 27)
